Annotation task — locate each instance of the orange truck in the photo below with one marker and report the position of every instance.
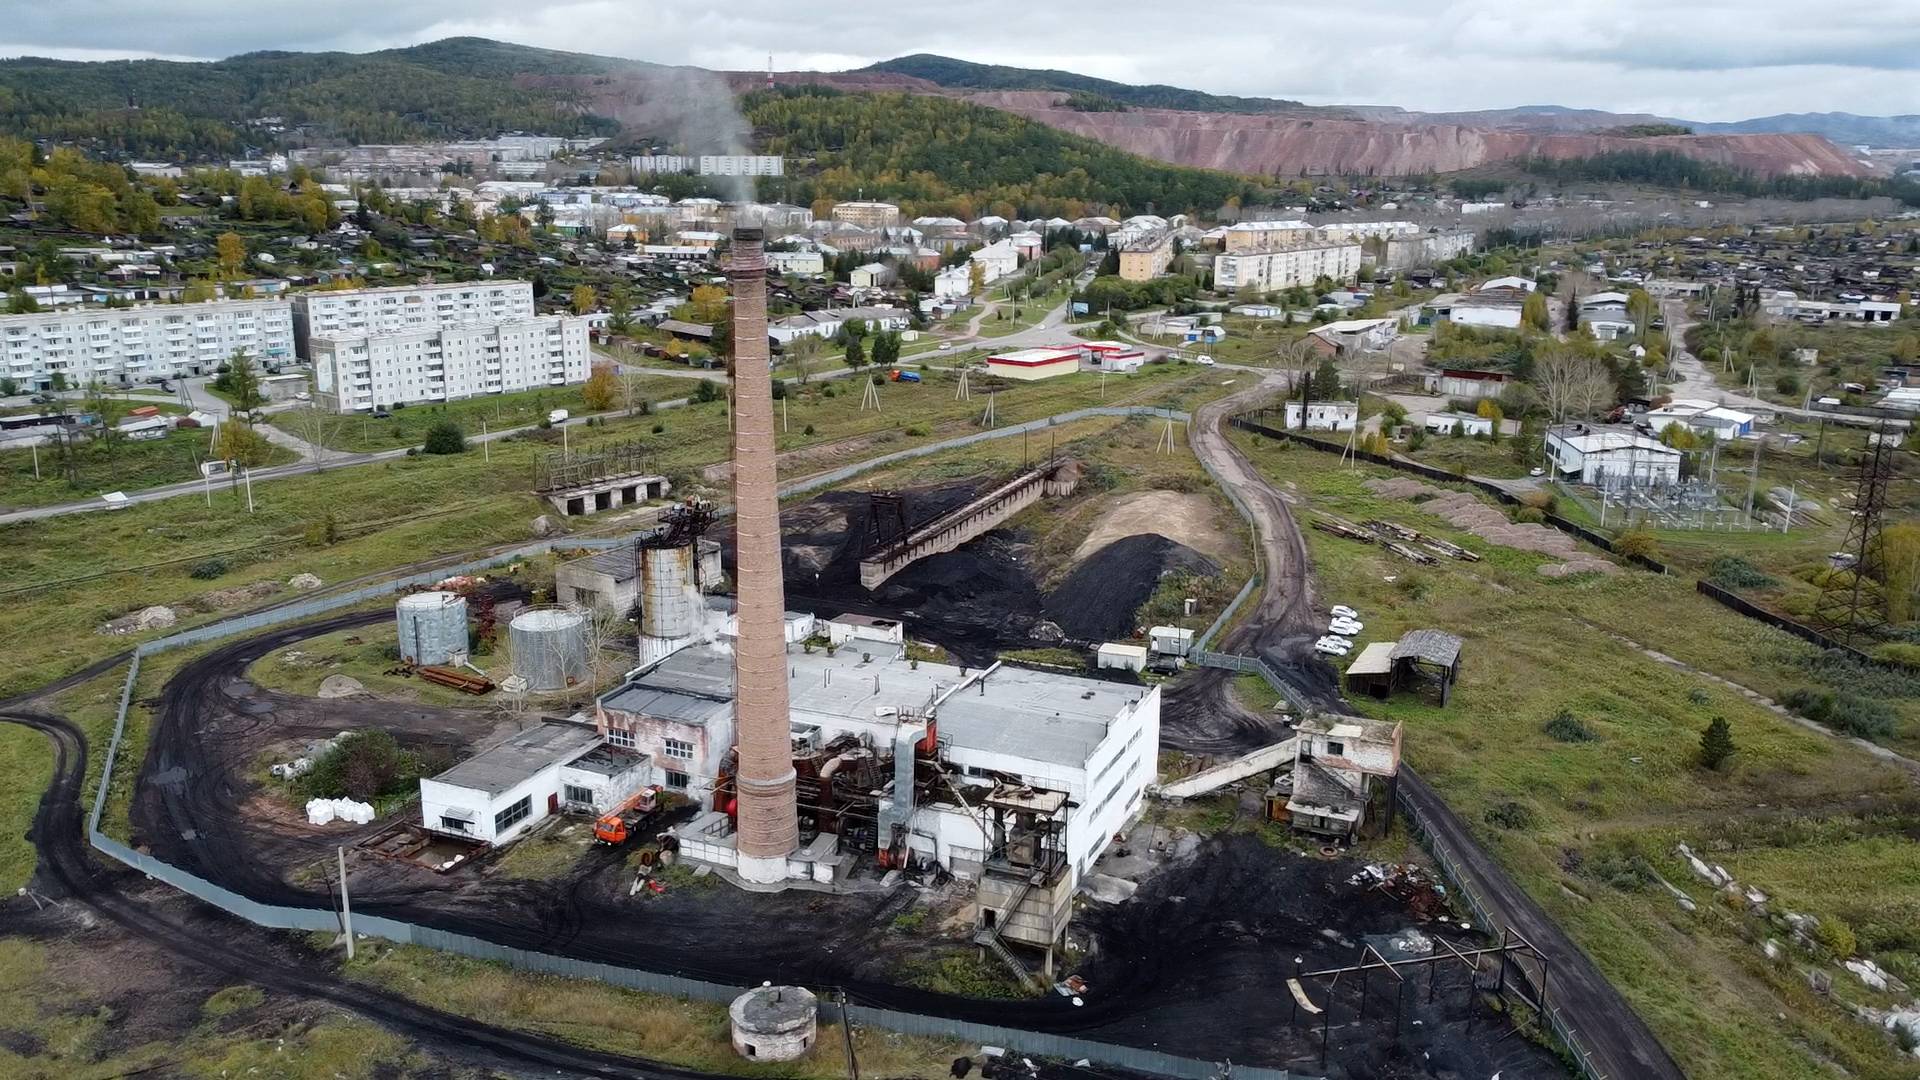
(616, 826)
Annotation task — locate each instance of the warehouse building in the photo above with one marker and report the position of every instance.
(1032, 365)
(553, 767)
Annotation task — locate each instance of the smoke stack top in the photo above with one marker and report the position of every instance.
(749, 234)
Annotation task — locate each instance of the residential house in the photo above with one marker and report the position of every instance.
(996, 260)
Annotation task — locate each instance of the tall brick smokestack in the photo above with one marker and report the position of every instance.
(769, 824)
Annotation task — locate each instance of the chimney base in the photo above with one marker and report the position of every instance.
(762, 869)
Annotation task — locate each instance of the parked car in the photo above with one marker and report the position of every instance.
(1342, 611)
(1203, 361)
(557, 416)
(1333, 646)
(382, 414)
(1345, 627)
(1536, 471)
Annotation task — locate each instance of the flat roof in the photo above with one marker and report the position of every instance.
(1036, 357)
(1375, 659)
(500, 768)
(1351, 727)
(1039, 715)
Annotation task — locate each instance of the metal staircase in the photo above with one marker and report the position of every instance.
(989, 936)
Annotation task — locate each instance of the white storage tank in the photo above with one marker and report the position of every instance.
(550, 647)
(432, 628)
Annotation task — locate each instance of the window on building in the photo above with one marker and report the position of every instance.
(574, 793)
(512, 815)
(454, 824)
(677, 748)
(1335, 749)
(620, 738)
(676, 780)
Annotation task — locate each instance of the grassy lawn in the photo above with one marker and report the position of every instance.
(691, 1034)
(1030, 312)
(408, 426)
(132, 465)
(1467, 456)
(26, 760)
(548, 853)
(1586, 824)
(54, 1028)
(365, 655)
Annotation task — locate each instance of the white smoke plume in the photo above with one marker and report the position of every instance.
(694, 109)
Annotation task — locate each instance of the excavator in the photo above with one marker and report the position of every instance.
(615, 827)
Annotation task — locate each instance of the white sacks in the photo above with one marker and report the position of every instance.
(326, 811)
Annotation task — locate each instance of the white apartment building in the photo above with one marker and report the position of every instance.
(353, 373)
(403, 309)
(1287, 267)
(88, 344)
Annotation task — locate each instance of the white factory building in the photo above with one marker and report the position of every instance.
(1611, 457)
(1324, 415)
(352, 373)
(553, 767)
(1300, 265)
(1700, 417)
(90, 344)
(406, 309)
(1094, 740)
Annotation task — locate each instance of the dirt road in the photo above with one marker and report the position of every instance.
(1280, 629)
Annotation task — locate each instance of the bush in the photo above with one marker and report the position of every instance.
(917, 431)
(1637, 541)
(659, 428)
(1899, 654)
(364, 765)
(1529, 515)
(808, 430)
(1834, 935)
(208, 569)
(1863, 717)
(1567, 727)
(706, 391)
(1734, 572)
(1544, 501)
(322, 533)
(1511, 815)
(445, 437)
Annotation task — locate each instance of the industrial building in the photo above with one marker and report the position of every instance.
(407, 309)
(610, 580)
(84, 345)
(1338, 764)
(1611, 456)
(1300, 265)
(1094, 742)
(1323, 415)
(550, 768)
(359, 372)
(1700, 417)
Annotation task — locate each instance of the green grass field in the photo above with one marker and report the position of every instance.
(408, 426)
(131, 466)
(1585, 824)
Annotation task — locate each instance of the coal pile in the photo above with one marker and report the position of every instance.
(1097, 601)
(976, 599)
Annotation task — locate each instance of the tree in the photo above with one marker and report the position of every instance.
(886, 349)
(619, 309)
(803, 353)
(1533, 313)
(1489, 410)
(976, 277)
(315, 426)
(601, 389)
(1571, 382)
(242, 383)
(1716, 743)
(21, 302)
(240, 446)
(231, 251)
(445, 437)
(1640, 308)
(1900, 568)
(584, 299)
(856, 354)
(197, 290)
(108, 411)
(707, 304)
(1326, 381)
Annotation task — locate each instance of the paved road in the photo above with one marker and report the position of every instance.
(1280, 629)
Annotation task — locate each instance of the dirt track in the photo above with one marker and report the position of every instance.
(1279, 629)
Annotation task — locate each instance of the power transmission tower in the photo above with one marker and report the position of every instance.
(1849, 607)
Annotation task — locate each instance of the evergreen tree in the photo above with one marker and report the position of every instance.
(1716, 743)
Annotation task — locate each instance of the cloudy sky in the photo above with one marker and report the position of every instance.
(1695, 59)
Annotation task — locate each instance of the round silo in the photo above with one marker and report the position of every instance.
(667, 592)
(432, 628)
(550, 647)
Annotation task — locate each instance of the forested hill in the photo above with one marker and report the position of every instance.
(460, 87)
(965, 75)
(940, 156)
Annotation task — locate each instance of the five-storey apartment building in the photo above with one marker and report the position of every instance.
(408, 309)
(84, 345)
(359, 372)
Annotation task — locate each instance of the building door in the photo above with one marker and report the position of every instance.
(553, 802)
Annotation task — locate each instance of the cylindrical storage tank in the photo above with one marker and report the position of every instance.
(667, 592)
(432, 627)
(549, 647)
(774, 1023)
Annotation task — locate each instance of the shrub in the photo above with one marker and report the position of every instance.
(364, 765)
(1716, 743)
(706, 391)
(1544, 501)
(1567, 727)
(1734, 572)
(917, 431)
(808, 430)
(1899, 654)
(445, 437)
(1834, 935)
(1529, 515)
(1863, 717)
(322, 533)
(659, 428)
(208, 569)
(1637, 541)
(1510, 815)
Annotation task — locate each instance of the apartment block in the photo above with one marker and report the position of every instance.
(404, 309)
(867, 214)
(110, 345)
(1283, 269)
(358, 372)
(1148, 257)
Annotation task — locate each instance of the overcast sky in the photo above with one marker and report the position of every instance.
(1693, 59)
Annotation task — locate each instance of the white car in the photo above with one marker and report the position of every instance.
(1203, 361)
(1345, 627)
(1342, 611)
(1536, 471)
(946, 346)
(1333, 646)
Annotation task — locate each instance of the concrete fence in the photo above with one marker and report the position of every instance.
(280, 917)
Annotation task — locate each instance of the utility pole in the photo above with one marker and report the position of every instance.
(1753, 481)
(346, 907)
(247, 475)
(486, 447)
(846, 1030)
(36, 461)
